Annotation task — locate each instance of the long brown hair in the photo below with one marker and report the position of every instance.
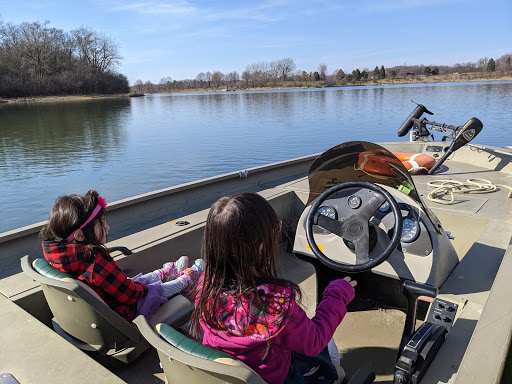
(240, 245)
(68, 214)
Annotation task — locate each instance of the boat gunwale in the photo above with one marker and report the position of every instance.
(36, 227)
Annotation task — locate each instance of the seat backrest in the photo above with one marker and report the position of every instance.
(184, 360)
(79, 311)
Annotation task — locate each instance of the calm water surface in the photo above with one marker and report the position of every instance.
(125, 147)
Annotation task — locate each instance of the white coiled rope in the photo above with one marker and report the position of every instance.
(450, 187)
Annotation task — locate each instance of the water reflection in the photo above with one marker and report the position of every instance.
(125, 147)
(51, 149)
(51, 138)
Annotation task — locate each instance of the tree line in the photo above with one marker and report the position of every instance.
(284, 73)
(38, 60)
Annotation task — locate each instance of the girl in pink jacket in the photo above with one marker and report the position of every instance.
(245, 310)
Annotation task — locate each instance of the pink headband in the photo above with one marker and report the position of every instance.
(101, 204)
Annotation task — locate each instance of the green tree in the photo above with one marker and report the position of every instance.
(350, 77)
(392, 73)
(376, 73)
(364, 74)
(357, 74)
(316, 76)
(491, 65)
(340, 74)
(427, 71)
(382, 72)
(435, 71)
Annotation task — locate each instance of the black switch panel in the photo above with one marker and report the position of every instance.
(442, 312)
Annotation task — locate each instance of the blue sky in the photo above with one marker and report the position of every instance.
(184, 37)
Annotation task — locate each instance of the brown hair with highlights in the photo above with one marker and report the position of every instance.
(240, 245)
(68, 214)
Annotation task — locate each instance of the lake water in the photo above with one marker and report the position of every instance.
(125, 147)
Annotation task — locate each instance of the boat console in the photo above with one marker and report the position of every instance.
(365, 217)
(364, 213)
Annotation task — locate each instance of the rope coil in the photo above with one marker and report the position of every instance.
(450, 187)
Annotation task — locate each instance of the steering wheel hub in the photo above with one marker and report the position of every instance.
(355, 229)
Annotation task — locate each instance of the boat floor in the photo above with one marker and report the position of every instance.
(481, 226)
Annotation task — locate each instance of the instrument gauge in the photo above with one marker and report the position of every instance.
(384, 207)
(328, 211)
(354, 202)
(410, 230)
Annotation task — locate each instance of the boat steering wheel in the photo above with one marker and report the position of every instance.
(355, 228)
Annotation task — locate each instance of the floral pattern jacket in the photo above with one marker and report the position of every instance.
(248, 330)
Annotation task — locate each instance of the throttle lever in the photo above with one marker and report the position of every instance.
(414, 292)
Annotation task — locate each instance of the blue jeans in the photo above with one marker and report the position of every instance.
(311, 369)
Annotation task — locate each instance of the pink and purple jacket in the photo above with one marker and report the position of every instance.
(248, 330)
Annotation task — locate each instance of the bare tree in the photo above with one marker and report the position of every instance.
(208, 78)
(247, 76)
(286, 68)
(139, 86)
(166, 83)
(482, 63)
(37, 60)
(98, 51)
(233, 77)
(148, 86)
(322, 71)
(274, 71)
(217, 79)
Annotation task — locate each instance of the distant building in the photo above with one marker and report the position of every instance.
(409, 74)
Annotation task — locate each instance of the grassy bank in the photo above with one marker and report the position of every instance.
(417, 79)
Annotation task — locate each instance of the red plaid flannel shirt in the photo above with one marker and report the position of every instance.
(98, 270)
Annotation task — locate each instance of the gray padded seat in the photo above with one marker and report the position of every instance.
(185, 360)
(85, 320)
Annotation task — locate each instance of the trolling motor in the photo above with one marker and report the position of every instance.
(460, 135)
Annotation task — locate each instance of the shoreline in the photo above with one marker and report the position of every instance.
(60, 98)
(452, 78)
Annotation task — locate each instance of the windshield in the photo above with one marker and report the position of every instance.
(362, 161)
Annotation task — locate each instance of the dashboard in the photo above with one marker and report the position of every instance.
(414, 238)
(417, 253)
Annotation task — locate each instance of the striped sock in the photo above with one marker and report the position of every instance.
(152, 277)
(172, 287)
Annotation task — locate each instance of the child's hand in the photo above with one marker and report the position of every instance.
(353, 283)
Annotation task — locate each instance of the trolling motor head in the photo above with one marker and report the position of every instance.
(467, 133)
(409, 122)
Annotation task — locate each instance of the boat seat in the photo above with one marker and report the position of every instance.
(186, 360)
(85, 320)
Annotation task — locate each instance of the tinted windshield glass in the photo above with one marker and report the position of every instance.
(362, 161)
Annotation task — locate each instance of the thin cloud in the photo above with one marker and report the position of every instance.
(155, 8)
(407, 4)
(266, 12)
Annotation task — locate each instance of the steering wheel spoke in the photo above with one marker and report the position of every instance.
(362, 256)
(332, 225)
(368, 210)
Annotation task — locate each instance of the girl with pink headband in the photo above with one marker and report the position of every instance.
(74, 242)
